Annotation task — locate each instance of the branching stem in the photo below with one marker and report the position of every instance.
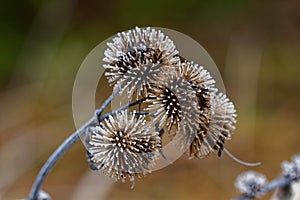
(72, 139)
(274, 184)
(58, 153)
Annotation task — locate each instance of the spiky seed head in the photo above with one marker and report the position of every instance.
(135, 49)
(251, 184)
(139, 79)
(173, 103)
(218, 128)
(196, 75)
(124, 146)
(291, 170)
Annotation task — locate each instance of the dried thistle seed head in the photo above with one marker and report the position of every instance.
(212, 134)
(196, 75)
(135, 47)
(201, 81)
(139, 79)
(165, 107)
(291, 169)
(173, 102)
(124, 146)
(251, 184)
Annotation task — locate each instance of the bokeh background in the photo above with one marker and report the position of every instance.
(255, 45)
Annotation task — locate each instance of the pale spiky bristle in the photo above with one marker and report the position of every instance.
(139, 46)
(196, 75)
(173, 101)
(124, 146)
(139, 79)
(217, 129)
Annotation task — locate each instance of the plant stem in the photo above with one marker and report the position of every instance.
(67, 143)
(105, 104)
(277, 183)
(122, 108)
(58, 153)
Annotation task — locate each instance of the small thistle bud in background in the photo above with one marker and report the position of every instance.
(44, 196)
(251, 184)
(291, 170)
(123, 146)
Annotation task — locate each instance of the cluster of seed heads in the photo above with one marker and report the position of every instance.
(181, 98)
(252, 184)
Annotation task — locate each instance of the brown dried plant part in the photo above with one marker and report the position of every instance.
(124, 146)
(216, 130)
(133, 57)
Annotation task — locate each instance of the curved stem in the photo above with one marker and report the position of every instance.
(101, 118)
(105, 104)
(57, 154)
(240, 161)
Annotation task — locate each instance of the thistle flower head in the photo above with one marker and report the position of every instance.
(251, 184)
(202, 82)
(215, 128)
(139, 79)
(137, 49)
(291, 169)
(173, 102)
(196, 75)
(123, 146)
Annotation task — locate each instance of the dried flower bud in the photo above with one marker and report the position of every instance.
(123, 146)
(141, 49)
(217, 113)
(196, 75)
(291, 169)
(173, 102)
(203, 84)
(251, 184)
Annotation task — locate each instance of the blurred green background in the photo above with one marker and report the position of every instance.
(255, 45)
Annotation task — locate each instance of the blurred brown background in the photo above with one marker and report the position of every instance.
(255, 44)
